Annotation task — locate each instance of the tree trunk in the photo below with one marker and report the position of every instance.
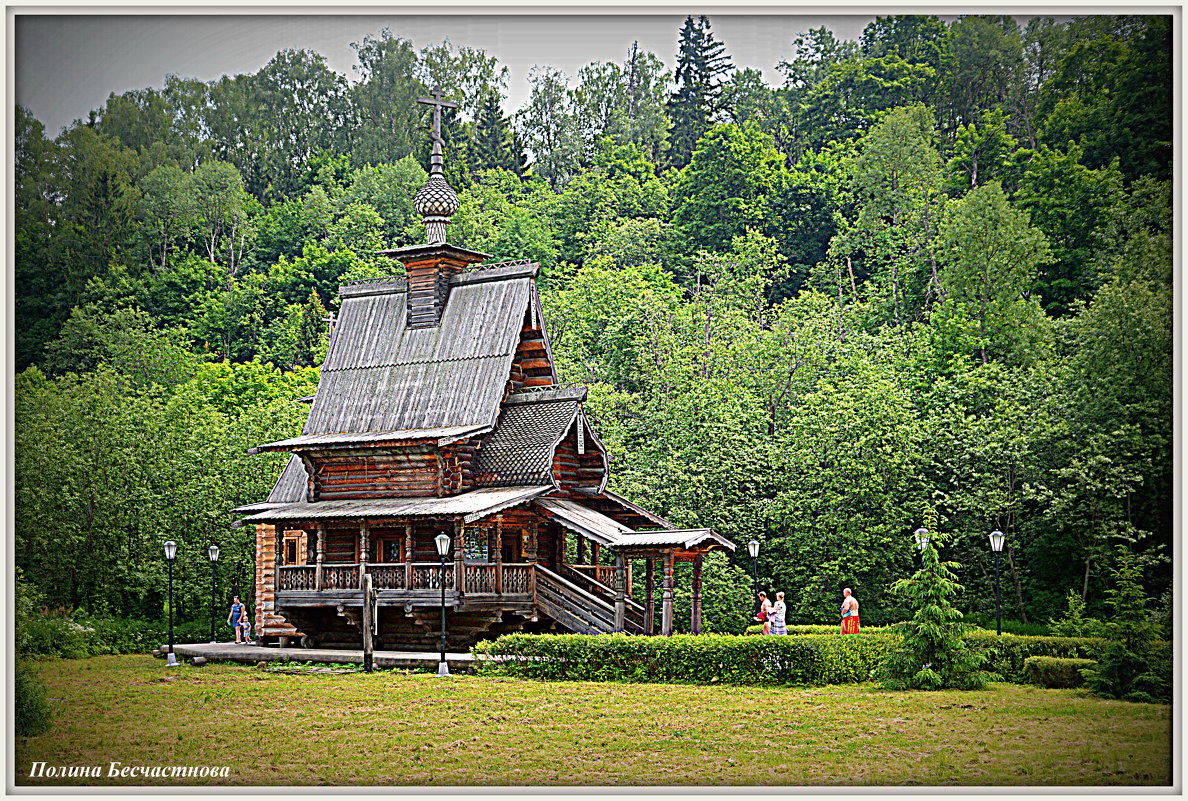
(1018, 588)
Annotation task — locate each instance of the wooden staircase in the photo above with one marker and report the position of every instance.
(581, 610)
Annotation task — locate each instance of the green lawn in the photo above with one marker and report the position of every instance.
(393, 728)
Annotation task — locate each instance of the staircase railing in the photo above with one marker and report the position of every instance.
(575, 607)
(634, 610)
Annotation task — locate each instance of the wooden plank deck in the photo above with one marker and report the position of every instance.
(251, 654)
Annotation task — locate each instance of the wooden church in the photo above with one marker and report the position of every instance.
(438, 411)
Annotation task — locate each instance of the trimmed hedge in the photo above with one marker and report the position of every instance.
(736, 659)
(702, 659)
(1054, 672)
(812, 628)
(1009, 652)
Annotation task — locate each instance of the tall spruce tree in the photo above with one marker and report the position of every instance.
(932, 654)
(701, 63)
(493, 145)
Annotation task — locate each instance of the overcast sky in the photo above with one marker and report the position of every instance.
(67, 65)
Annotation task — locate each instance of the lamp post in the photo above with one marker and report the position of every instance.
(753, 550)
(213, 553)
(922, 538)
(997, 538)
(170, 554)
(442, 541)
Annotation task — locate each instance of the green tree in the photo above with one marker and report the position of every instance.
(729, 186)
(1129, 667)
(549, 127)
(694, 106)
(384, 100)
(1053, 183)
(990, 256)
(890, 246)
(932, 654)
(1112, 94)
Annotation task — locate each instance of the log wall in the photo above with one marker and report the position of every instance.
(268, 622)
(410, 472)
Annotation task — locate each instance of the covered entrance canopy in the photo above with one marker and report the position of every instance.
(667, 545)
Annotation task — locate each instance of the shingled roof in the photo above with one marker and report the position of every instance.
(521, 449)
(380, 376)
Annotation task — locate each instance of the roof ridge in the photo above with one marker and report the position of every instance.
(419, 361)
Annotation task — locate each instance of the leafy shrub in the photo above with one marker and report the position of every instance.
(56, 635)
(1074, 623)
(731, 659)
(703, 659)
(31, 709)
(81, 635)
(1008, 653)
(1055, 672)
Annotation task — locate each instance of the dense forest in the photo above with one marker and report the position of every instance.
(928, 273)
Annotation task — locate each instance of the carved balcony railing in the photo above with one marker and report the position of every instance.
(297, 577)
(478, 579)
(340, 577)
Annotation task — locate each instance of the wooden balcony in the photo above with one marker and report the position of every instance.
(416, 583)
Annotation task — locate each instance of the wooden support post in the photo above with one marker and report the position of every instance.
(364, 548)
(459, 546)
(649, 596)
(499, 554)
(581, 550)
(530, 555)
(666, 602)
(595, 553)
(408, 555)
(368, 622)
(620, 596)
(321, 556)
(695, 623)
(560, 546)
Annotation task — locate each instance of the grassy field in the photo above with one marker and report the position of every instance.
(401, 729)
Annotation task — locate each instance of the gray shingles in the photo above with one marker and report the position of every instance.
(520, 451)
(383, 376)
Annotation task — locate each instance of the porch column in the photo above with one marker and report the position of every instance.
(595, 553)
(408, 555)
(649, 596)
(620, 598)
(459, 576)
(499, 554)
(581, 550)
(695, 623)
(364, 546)
(321, 555)
(530, 548)
(666, 604)
(279, 542)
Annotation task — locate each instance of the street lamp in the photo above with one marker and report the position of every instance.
(753, 550)
(922, 538)
(170, 554)
(213, 553)
(996, 540)
(442, 541)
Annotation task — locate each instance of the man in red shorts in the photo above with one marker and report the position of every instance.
(849, 612)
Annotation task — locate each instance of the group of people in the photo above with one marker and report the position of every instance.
(773, 616)
(238, 619)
